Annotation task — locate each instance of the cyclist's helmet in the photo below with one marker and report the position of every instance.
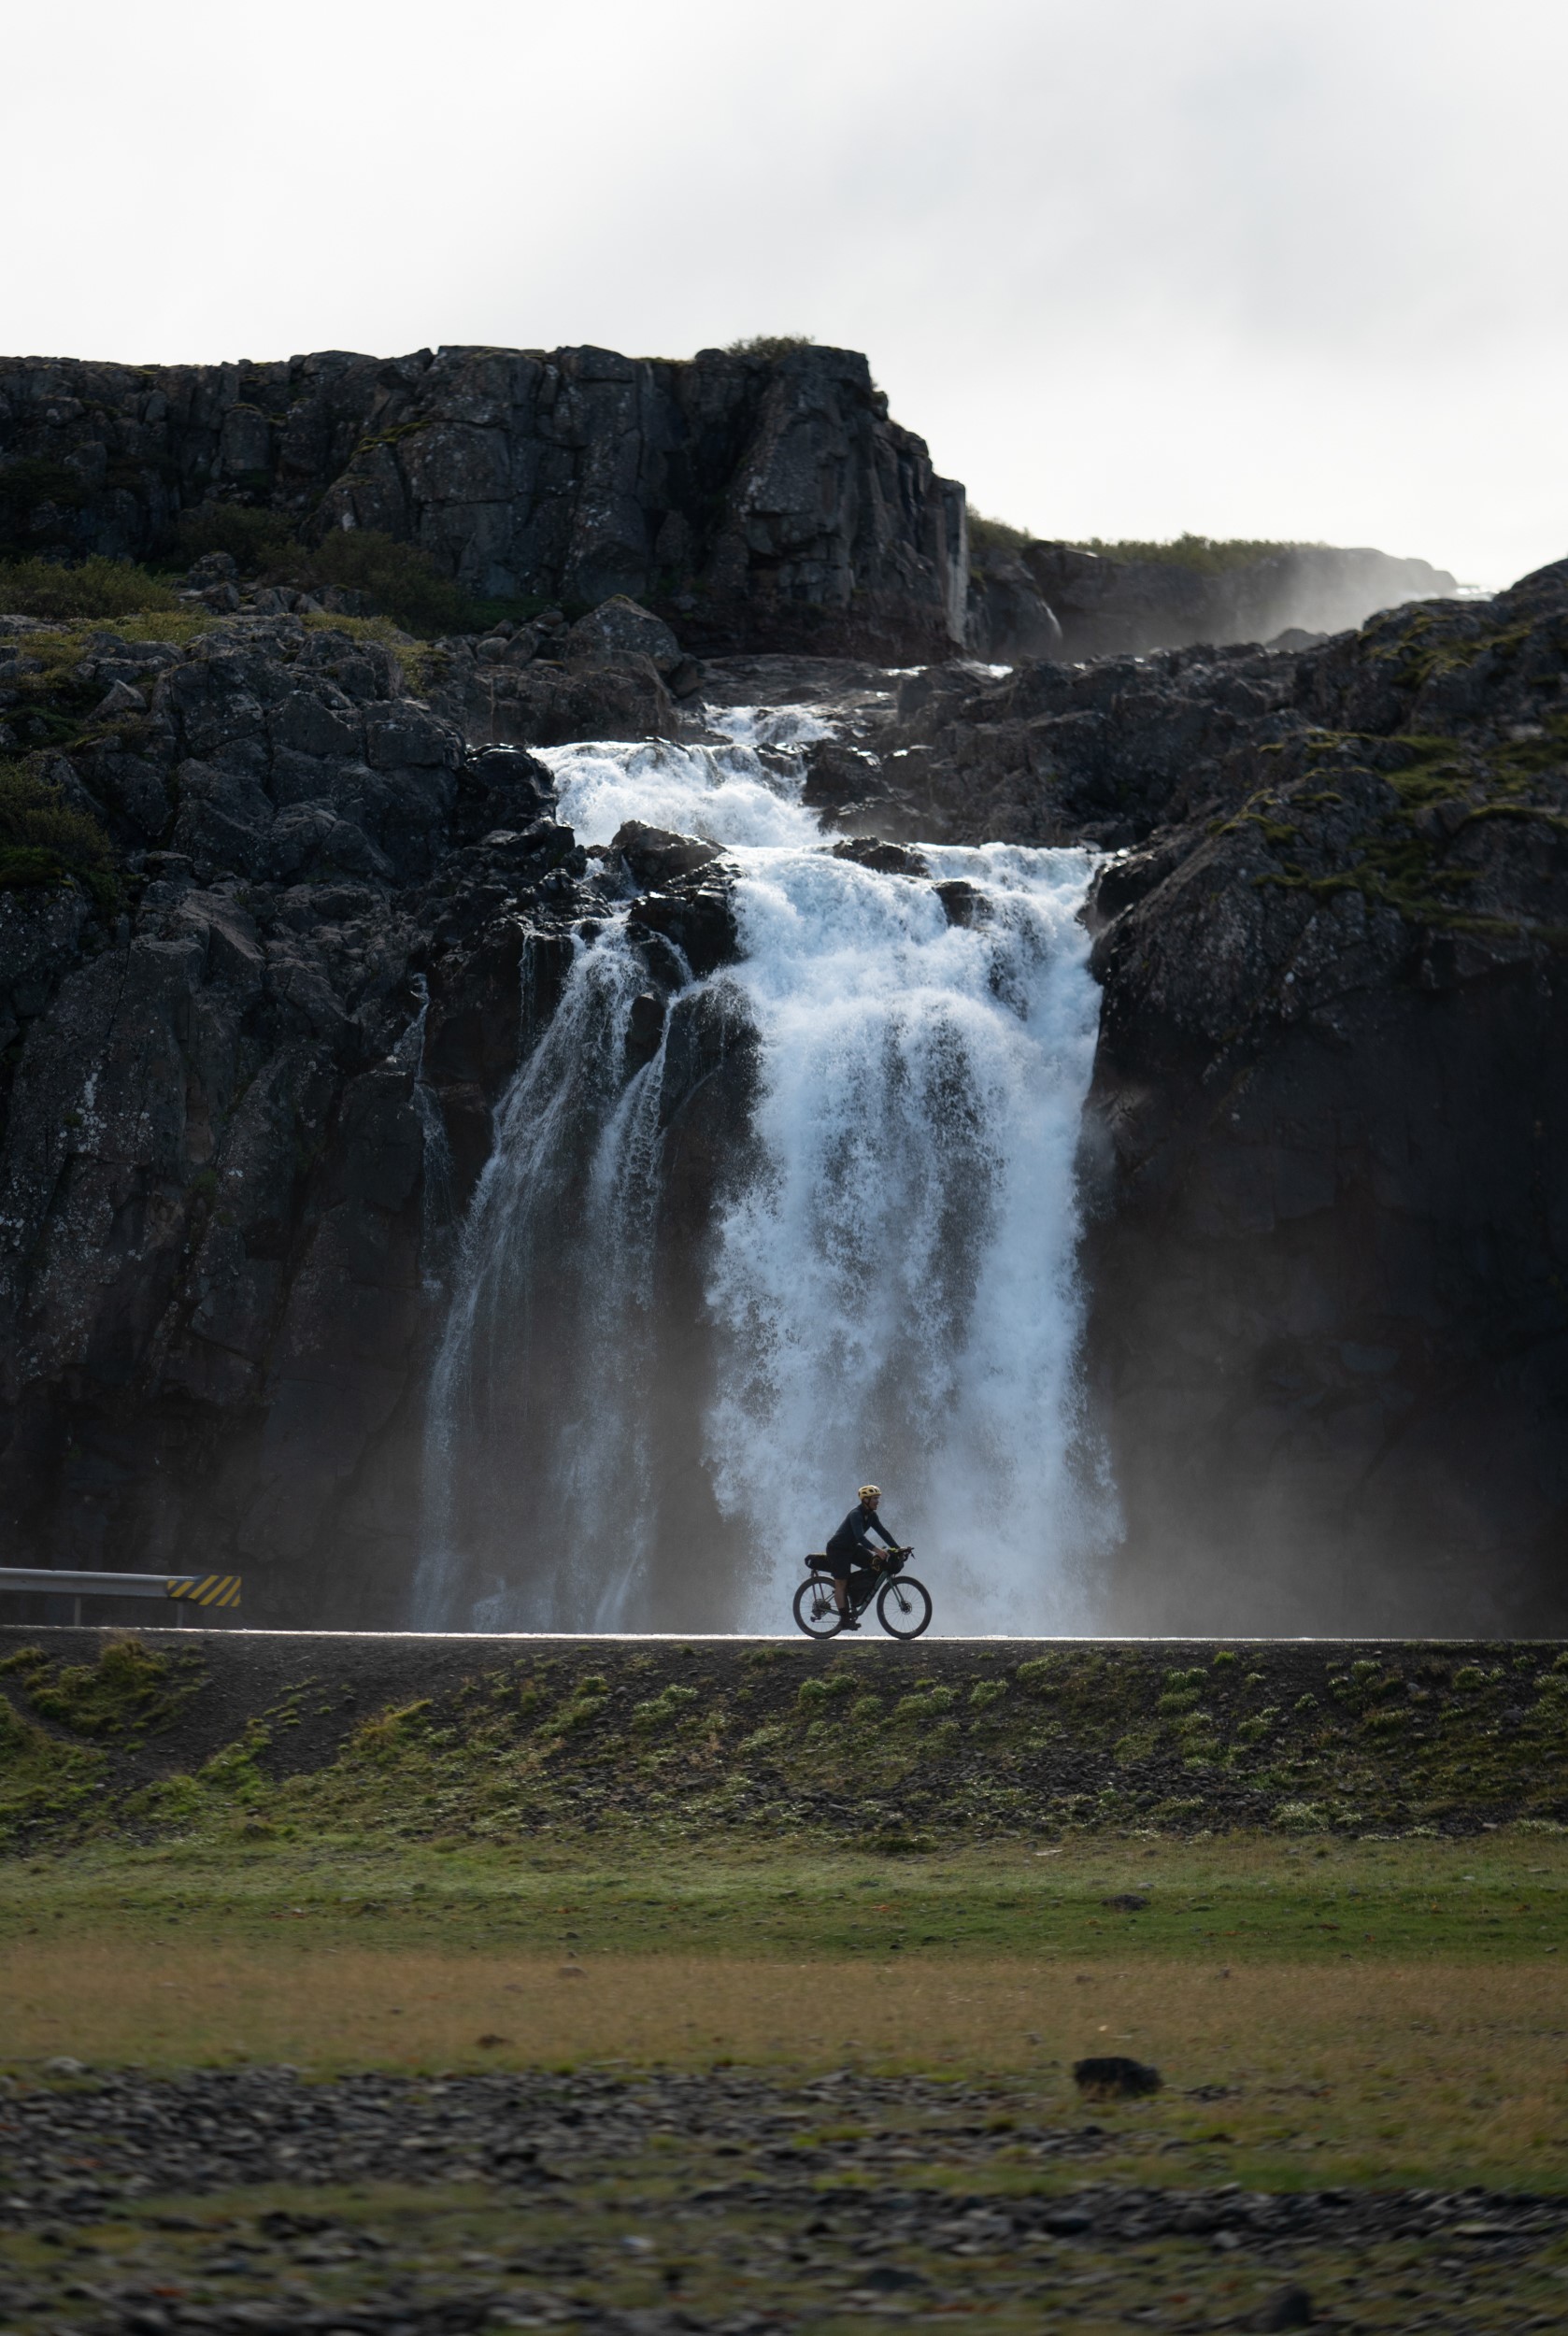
(871, 1494)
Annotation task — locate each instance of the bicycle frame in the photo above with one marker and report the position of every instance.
(882, 1570)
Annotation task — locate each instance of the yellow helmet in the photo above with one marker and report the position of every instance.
(871, 1494)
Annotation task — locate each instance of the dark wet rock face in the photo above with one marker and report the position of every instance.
(1327, 1132)
(550, 697)
(763, 501)
(652, 855)
(887, 859)
(336, 925)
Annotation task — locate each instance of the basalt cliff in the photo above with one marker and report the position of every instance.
(759, 501)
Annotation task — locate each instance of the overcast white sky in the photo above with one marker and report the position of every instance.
(1258, 267)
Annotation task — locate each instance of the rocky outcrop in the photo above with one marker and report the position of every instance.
(1328, 1261)
(1008, 617)
(1053, 753)
(531, 691)
(763, 501)
(248, 1083)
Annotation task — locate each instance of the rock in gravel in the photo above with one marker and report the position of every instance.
(1112, 2076)
(1290, 2307)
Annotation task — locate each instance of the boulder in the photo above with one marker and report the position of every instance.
(545, 702)
(888, 859)
(618, 627)
(1112, 2076)
(697, 917)
(653, 855)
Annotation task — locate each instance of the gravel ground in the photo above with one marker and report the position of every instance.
(255, 2201)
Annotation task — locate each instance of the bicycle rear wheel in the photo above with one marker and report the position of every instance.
(904, 1607)
(815, 1610)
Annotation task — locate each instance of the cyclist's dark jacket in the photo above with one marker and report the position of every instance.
(852, 1539)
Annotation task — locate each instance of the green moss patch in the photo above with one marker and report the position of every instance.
(706, 1745)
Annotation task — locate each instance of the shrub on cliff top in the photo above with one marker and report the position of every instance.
(995, 534)
(98, 588)
(770, 344)
(1209, 554)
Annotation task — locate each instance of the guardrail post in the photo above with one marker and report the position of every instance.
(212, 1593)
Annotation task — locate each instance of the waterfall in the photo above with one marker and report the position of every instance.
(538, 1492)
(436, 1176)
(895, 1293)
(886, 1287)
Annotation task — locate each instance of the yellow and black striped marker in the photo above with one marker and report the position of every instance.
(206, 1589)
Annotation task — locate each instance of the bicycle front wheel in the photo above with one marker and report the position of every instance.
(815, 1610)
(904, 1607)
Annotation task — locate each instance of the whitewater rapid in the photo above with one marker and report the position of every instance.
(888, 1289)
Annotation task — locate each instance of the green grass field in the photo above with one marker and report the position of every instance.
(1419, 1986)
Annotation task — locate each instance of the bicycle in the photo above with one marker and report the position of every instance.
(903, 1604)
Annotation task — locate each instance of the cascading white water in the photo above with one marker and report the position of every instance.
(895, 1291)
(889, 1285)
(537, 1492)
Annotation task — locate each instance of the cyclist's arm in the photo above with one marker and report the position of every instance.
(876, 1526)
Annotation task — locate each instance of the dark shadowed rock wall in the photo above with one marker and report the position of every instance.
(763, 501)
(246, 1090)
(1328, 1134)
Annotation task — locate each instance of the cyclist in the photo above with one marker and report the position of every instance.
(851, 1545)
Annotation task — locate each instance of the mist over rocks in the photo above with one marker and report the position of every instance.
(1104, 605)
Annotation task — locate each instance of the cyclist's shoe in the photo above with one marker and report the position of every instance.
(851, 1622)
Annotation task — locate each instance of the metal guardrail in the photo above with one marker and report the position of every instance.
(187, 1589)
